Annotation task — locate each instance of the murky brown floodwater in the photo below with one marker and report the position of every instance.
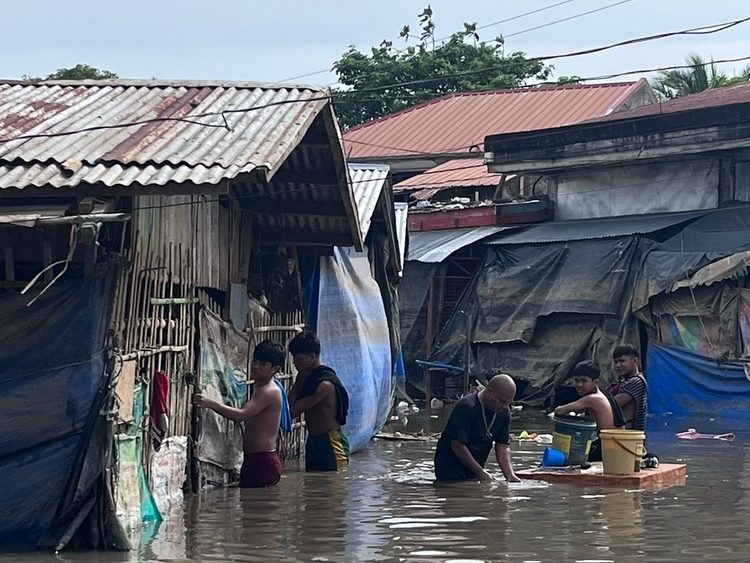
(386, 508)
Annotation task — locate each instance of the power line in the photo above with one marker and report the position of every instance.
(715, 28)
(512, 18)
(574, 16)
(328, 97)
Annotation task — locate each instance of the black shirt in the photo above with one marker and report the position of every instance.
(466, 425)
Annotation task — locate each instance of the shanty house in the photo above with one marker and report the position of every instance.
(435, 151)
(649, 245)
(151, 233)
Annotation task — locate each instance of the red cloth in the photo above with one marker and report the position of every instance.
(159, 410)
(261, 469)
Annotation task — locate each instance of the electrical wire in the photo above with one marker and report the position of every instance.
(574, 16)
(512, 18)
(714, 28)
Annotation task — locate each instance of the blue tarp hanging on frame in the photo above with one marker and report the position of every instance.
(682, 382)
(52, 369)
(353, 331)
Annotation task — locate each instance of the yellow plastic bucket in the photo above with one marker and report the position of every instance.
(622, 451)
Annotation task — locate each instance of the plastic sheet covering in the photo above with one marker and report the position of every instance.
(223, 377)
(534, 311)
(168, 474)
(353, 332)
(672, 186)
(723, 230)
(704, 320)
(716, 235)
(54, 444)
(135, 503)
(412, 293)
(682, 382)
(516, 286)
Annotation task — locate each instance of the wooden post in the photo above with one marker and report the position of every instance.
(430, 314)
(467, 349)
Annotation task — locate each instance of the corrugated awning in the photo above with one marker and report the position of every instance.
(436, 246)
(590, 229)
(402, 210)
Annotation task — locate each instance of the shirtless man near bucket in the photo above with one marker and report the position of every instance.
(597, 404)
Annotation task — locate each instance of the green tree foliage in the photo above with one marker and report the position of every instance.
(434, 68)
(700, 76)
(78, 72)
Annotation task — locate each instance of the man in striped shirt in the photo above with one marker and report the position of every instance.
(631, 389)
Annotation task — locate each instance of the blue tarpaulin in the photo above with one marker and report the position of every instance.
(682, 382)
(354, 337)
(52, 368)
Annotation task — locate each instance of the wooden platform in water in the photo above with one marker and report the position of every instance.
(666, 475)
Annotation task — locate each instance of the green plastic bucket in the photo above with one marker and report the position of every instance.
(573, 435)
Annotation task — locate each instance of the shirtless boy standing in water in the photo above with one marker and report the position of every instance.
(319, 393)
(262, 416)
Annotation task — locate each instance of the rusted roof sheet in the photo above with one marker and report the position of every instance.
(457, 122)
(368, 182)
(712, 98)
(180, 133)
(456, 173)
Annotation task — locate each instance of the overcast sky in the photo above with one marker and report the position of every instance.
(279, 39)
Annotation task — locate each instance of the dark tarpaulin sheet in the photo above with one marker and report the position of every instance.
(722, 230)
(412, 294)
(379, 254)
(537, 310)
(717, 234)
(597, 228)
(682, 382)
(52, 387)
(518, 285)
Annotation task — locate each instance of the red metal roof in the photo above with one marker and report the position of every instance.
(457, 122)
(457, 173)
(714, 97)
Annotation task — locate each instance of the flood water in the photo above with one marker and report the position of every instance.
(387, 508)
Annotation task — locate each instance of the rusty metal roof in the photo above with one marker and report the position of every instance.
(182, 132)
(458, 123)
(715, 97)
(456, 173)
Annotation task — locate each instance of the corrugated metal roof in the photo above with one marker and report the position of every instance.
(402, 222)
(368, 181)
(714, 97)
(198, 148)
(457, 173)
(436, 246)
(457, 122)
(589, 229)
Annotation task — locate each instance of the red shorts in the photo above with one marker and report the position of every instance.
(261, 469)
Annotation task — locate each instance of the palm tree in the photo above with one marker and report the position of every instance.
(700, 76)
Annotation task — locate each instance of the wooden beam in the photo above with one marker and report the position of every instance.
(102, 191)
(273, 237)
